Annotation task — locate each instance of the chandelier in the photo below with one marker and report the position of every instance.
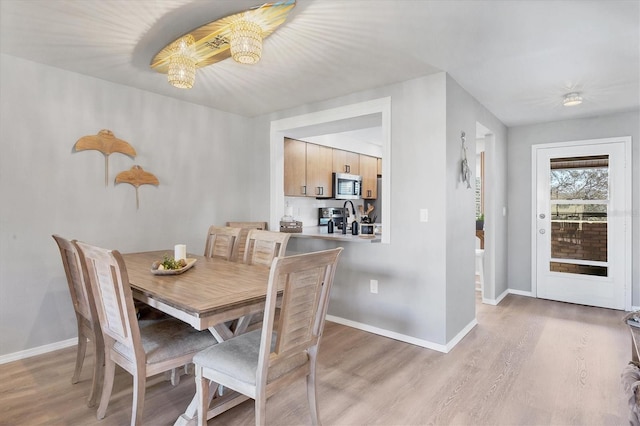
(182, 63)
(246, 41)
(239, 36)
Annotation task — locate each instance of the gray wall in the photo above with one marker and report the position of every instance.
(205, 161)
(426, 273)
(463, 112)
(519, 191)
(198, 154)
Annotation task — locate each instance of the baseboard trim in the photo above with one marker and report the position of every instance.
(521, 293)
(38, 351)
(403, 337)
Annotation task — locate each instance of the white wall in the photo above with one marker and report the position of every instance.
(519, 174)
(199, 155)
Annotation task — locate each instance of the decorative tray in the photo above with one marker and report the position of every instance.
(190, 263)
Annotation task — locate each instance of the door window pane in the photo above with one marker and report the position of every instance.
(579, 231)
(600, 271)
(580, 178)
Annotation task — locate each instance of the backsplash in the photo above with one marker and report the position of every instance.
(305, 209)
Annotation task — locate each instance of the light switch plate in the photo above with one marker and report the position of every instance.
(424, 215)
(374, 286)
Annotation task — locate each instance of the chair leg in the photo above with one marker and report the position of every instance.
(82, 349)
(139, 387)
(107, 386)
(202, 394)
(261, 409)
(311, 388)
(98, 374)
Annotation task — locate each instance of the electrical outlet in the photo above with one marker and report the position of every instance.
(424, 215)
(374, 286)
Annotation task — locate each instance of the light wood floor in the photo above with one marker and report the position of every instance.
(527, 362)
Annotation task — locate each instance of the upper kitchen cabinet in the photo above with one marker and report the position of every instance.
(295, 168)
(346, 162)
(369, 172)
(319, 170)
(307, 169)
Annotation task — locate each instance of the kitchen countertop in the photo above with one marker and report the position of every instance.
(320, 232)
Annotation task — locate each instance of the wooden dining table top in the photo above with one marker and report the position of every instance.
(212, 291)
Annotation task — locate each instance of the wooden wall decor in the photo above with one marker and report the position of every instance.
(136, 176)
(106, 143)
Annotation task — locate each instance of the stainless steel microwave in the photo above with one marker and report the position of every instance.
(347, 186)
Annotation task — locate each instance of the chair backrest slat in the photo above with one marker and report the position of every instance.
(263, 246)
(112, 294)
(222, 241)
(306, 281)
(245, 227)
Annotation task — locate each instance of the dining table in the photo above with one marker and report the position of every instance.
(212, 294)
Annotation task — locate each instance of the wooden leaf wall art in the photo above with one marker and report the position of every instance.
(136, 176)
(107, 144)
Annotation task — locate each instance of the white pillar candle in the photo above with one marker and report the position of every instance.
(180, 252)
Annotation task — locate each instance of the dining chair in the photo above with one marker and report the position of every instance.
(142, 351)
(263, 246)
(260, 363)
(221, 241)
(86, 315)
(245, 227)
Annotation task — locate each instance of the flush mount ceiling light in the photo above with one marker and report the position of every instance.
(572, 99)
(239, 35)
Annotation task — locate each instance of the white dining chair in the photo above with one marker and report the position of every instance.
(141, 351)
(262, 362)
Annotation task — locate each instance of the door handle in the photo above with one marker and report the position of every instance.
(542, 231)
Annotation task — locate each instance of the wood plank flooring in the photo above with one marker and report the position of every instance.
(527, 362)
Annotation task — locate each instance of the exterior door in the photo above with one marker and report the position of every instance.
(582, 207)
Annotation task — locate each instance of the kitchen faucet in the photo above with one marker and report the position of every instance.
(353, 209)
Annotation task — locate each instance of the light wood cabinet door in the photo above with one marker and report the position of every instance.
(379, 166)
(346, 162)
(295, 168)
(369, 172)
(319, 169)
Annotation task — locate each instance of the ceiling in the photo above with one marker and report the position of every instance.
(517, 58)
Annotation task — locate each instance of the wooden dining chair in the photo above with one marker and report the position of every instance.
(142, 351)
(86, 315)
(263, 246)
(245, 227)
(221, 241)
(262, 362)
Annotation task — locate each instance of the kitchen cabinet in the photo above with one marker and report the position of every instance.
(369, 172)
(307, 169)
(319, 169)
(379, 166)
(295, 168)
(346, 162)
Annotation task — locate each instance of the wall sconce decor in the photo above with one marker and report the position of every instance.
(107, 144)
(239, 36)
(136, 176)
(465, 170)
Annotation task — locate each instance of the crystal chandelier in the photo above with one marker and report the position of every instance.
(182, 63)
(246, 41)
(239, 36)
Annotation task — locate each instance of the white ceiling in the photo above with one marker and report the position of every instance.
(517, 58)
